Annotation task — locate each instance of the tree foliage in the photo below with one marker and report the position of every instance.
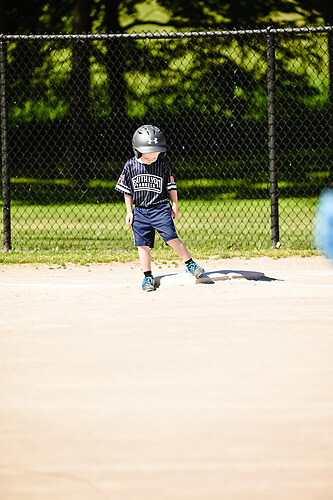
(121, 90)
(117, 80)
(40, 16)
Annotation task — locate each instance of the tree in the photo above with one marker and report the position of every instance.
(317, 11)
(80, 122)
(119, 16)
(115, 59)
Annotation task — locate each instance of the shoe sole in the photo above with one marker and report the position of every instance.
(196, 276)
(150, 288)
(199, 275)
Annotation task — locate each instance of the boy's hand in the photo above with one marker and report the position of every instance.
(129, 218)
(174, 210)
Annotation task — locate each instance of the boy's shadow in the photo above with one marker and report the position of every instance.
(210, 277)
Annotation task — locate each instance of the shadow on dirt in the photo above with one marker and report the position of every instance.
(210, 277)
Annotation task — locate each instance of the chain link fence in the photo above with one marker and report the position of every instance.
(248, 120)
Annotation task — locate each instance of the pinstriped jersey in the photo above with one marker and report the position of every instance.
(147, 184)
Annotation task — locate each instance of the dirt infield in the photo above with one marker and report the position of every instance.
(219, 390)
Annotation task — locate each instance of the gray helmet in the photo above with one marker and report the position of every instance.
(148, 139)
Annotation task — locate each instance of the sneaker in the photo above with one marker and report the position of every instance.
(148, 284)
(195, 270)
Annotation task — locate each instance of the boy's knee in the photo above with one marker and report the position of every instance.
(144, 249)
(171, 242)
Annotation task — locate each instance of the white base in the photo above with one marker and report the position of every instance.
(182, 279)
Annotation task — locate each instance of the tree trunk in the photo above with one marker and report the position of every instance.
(116, 66)
(79, 160)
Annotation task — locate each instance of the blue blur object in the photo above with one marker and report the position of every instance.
(324, 224)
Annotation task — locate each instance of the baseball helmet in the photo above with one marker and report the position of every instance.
(148, 139)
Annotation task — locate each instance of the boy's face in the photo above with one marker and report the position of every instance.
(149, 157)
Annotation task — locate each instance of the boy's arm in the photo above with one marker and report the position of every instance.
(174, 199)
(129, 209)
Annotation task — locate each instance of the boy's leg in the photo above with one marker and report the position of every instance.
(145, 258)
(148, 284)
(191, 267)
(178, 246)
(164, 224)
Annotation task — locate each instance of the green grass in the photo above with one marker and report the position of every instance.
(81, 234)
(85, 258)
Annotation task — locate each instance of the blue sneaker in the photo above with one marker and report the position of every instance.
(148, 284)
(195, 270)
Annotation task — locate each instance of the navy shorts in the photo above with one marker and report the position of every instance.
(148, 220)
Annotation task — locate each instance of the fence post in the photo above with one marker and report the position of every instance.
(271, 140)
(4, 157)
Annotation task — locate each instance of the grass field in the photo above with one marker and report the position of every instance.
(222, 228)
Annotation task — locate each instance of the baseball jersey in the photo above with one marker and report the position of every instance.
(147, 184)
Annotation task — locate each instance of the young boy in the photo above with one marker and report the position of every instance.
(147, 182)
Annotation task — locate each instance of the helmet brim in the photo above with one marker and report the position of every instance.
(151, 149)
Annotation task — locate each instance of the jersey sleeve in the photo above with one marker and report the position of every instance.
(171, 184)
(124, 185)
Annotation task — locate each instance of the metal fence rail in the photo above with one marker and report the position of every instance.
(247, 115)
